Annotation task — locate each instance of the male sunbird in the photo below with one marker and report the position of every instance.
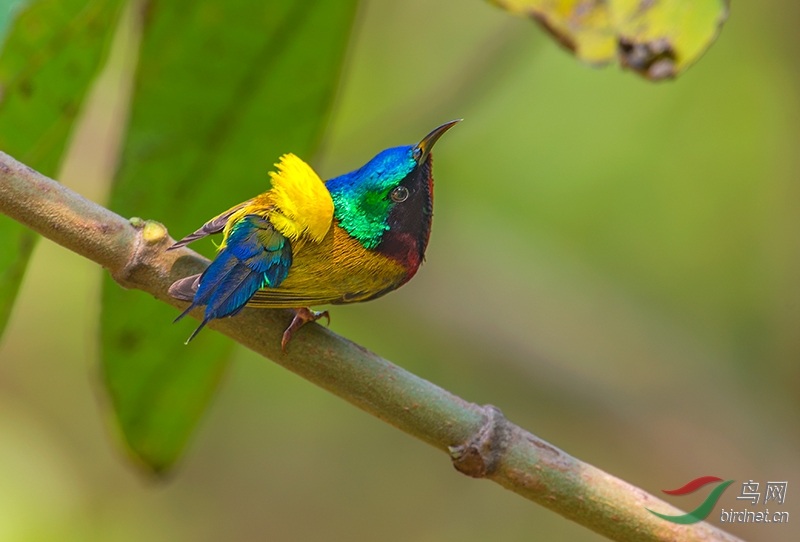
(306, 242)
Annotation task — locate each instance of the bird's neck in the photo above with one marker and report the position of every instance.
(397, 230)
(362, 212)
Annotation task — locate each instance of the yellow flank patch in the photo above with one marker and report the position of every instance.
(302, 204)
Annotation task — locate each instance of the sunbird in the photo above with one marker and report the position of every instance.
(306, 242)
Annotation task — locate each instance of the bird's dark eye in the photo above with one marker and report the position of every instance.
(399, 194)
(417, 153)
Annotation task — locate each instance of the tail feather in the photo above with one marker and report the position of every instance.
(255, 256)
(201, 287)
(196, 331)
(234, 292)
(215, 225)
(184, 313)
(214, 276)
(185, 288)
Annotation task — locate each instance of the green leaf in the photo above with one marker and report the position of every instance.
(15, 251)
(223, 89)
(7, 8)
(658, 39)
(51, 55)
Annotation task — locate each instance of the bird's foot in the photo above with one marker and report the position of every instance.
(302, 316)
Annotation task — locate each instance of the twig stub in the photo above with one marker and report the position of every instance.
(479, 456)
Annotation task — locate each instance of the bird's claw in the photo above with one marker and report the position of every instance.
(302, 316)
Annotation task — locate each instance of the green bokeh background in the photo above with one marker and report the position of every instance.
(613, 263)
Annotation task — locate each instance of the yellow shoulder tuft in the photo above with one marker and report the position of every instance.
(302, 203)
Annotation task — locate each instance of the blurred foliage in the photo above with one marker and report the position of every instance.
(222, 89)
(48, 61)
(7, 8)
(638, 305)
(657, 39)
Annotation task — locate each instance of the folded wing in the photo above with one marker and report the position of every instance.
(255, 256)
(260, 236)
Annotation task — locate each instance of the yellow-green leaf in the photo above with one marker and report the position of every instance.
(582, 26)
(661, 38)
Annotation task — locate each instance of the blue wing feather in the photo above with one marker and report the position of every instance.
(255, 256)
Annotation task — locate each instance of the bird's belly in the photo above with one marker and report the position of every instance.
(337, 270)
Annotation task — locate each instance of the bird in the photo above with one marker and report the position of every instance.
(305, 242)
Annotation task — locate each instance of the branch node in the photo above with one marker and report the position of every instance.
(479, 456)
(151, 238)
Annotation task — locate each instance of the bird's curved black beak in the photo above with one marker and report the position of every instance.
(423, 148)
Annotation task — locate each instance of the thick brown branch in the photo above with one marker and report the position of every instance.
(481, 442)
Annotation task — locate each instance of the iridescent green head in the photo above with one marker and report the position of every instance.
(391, 192)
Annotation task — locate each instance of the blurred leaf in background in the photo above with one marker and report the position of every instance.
(658, 40)
(585, 28)
(7, 10)
(223, 88)
(50, 56)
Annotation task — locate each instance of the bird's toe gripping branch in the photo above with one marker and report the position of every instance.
(302, 316)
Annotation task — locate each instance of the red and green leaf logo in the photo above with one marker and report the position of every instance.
(702, 511)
